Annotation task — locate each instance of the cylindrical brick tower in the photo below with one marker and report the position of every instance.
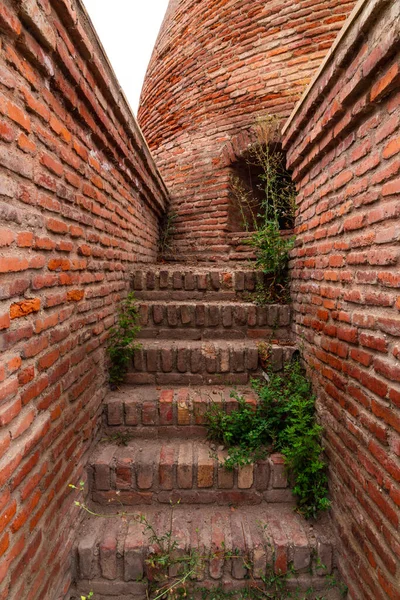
(218, 65)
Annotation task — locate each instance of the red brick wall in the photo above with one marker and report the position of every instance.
(344, 146)
(217, 65)
(80, 199)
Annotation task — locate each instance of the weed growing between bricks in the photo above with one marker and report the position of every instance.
(121, 438)
(283, 421)
(121, 341)
(268, 210)
(167, 230)
(173, 573)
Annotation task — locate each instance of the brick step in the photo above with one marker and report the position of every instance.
(189, 471)
(183, 282)
(170, 362)
(149, 411)
(111, 553)
(196, 320)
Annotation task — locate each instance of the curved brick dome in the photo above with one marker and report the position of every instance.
(216, 66)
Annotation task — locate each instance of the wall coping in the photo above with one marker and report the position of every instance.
(326, 62)
(298, 137)
(77, 20)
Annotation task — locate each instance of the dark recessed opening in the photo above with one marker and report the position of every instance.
(248, 192)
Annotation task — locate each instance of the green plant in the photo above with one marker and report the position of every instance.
(121, 340)
(168, 557)
(167, 229)
(121, 438)
(271, 211)
(88, 597)
(279, 192)
(242, 431)
(272, 250)
(269, 292)
(283, 420)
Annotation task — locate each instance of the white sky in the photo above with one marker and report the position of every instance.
(128, 30)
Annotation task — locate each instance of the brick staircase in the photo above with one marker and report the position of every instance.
(199, 327)
(199, 337)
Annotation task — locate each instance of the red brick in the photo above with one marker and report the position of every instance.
(47, 360)
(44, 243)
(166, 468)
(25, 239)
(21, 309)
(60, 129)
(75, 231)
(9, 22)
(37, 21)
(18, 116)
(390, 589)
(373, 341)
(392, 187)
(392, 148)
(56, 226)
(4, 544)
(22, 423)
(25, 512)
(390, 326)
(13, 264)
(35, 346)
(7, 132)
(354, 222)
(4, 321)
(26, 144)
(7, 515)
(80, 150)
(8, 388)
(364, 358)
(5, 442)
(166, 407)
(386, 369)
(53, 166)
(75, 295)
(57, 264)
(6, 237)
(4, 498)
(348, 334)
(116, 229)
(34, 105)
(9, 464)
(34, 390)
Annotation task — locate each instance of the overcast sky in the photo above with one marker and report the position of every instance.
(128, 30)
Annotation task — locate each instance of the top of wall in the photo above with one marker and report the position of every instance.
(109, 85)
(348, 44)
(97, 93)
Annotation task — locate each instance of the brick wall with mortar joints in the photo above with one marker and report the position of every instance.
(216, 66)
(343, 144)
(80, 199)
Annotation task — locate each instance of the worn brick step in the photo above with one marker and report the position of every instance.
(209, 320)
(151, 411)
(184, 282)
(191, 471)
(170, 362)
(111, 553)
(205, 334)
